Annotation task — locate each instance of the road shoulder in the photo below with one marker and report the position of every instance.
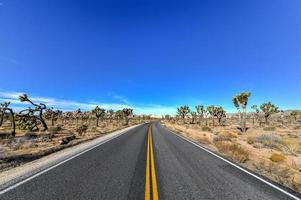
(17, 175)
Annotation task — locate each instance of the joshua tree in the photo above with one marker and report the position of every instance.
(193, 116)
(110, 114)
(38, 108)
(77, 114)
(99, 113)
(4, 107)
(127, 112)
(118, 116)
(200, 109)
(241, 100)
(268, 109)
(183, 111)
(217, 112)
(295, 114)
(53, 115)
(255, 113)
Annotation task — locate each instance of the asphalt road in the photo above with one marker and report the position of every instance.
(117, 170)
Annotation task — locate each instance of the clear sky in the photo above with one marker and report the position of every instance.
(153, 55)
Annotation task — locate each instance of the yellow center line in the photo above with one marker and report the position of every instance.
(147, 172)
(154, 178)
(150, 173)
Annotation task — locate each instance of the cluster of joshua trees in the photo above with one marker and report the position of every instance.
(240, 101)
(34, 117)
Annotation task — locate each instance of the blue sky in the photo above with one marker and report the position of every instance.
(150, 55)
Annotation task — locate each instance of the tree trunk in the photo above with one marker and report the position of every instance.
(96, 122)
(1, 118)
(13, 122)
(243, 121)
(127, 120)
(266, 119)
(42, 121)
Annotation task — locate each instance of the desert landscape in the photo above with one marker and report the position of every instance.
(265, 140)
(38, 131)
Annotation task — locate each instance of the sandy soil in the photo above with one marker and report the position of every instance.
(28, 146)
(274, 152)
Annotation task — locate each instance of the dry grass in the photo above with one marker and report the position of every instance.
(269, 140)
(273, 151)
(204, 140)
(206, 128)
(277, 157)
(234, 150)
(251, 139)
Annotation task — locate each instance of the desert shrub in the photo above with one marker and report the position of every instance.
(204, 140)
(206, 128)
(93, 128)
(52, 132)
(56, 129)
(269, 128)
(269, 140)
(297, 127)
(16, 143)
(229, 134)
(221, 138)
(29, 144)
(82, 129)
(251, 140)
(233, 150)
(31, 135)
(276, 157)
(258, 145)
(290, 149)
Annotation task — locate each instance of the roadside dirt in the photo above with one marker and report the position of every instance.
(271, 152)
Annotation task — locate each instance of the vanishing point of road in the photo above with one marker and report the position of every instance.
(146, 162)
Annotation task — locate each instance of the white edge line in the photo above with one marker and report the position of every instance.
(58, 164)
(238, 167)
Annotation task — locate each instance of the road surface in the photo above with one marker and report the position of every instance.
(145, 163)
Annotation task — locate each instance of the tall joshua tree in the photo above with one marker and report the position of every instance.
(241, 100)
(268, 109)
(217, 112)
(127, 112)
(183, 111)
(38, 108)
(5, 107)
(99, 113)
(255, 113)
(200, 109)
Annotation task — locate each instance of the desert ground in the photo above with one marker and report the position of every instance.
(30, 145)
(272, 150)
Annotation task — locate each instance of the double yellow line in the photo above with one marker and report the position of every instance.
(151, 185)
